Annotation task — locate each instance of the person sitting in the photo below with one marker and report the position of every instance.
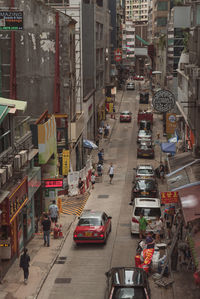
(150, 241)
(99, 169)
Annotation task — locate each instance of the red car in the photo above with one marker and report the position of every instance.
(93, 227)
(125, 116)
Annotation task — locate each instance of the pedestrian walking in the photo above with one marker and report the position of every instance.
(93, 180)
(53, 211)
(100, 131)
(111, 172)
(46, 224)
(142, 225)
(99, 169)
(24, 264)
(162, 172)
(80, 185)
(100, 156)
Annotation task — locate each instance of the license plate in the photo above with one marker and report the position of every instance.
(144, 193)
(88, 234)
(145, 155)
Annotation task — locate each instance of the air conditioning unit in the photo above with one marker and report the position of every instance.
(17, 162)
(9, 171)
(24, 157)
(3, 175)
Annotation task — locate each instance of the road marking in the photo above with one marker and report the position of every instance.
(74, 206)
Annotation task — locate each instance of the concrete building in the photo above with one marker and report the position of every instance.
(136, 10)
(188, 84)
(128, 46)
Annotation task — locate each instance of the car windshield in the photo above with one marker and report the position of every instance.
(128, 293)
(145, 146)
(125, 113)
(145, 185)
(145, 171)
(90, 222)
(148, 212)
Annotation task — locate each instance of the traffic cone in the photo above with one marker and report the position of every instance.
(60, 231)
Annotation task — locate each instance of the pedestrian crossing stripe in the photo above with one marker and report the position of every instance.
(74, 206)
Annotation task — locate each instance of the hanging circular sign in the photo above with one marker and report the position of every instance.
(163, 100)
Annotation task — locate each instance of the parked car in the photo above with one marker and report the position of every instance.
(144, 136)
(145, 115)
(145, 150)
(125, 116)
(127, 282)
(138, 78)
(130, 86)
(144, 188)
(150, 207)
(145, 125)
(92, 227)
(145, 172)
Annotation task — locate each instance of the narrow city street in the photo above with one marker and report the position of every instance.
(82, 274)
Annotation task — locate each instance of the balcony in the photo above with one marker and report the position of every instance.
(77, 127)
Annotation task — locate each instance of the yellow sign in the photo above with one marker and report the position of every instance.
(170, 123)
(59, 204)
(65, 162)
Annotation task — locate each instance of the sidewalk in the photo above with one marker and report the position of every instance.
(42, 260)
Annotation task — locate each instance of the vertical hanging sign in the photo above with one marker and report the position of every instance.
(65, 162)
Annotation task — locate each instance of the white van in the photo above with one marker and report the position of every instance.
(150, 207)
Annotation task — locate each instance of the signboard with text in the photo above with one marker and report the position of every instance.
(169, 197)
(53, 183)
(65, 162)
(11, 20)
(170, 123)
(163, 100)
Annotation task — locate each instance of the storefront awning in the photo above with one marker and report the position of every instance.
(19, 105)
(185, 171)
(3, 112)
(168, 147)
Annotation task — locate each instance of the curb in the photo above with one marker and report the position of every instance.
(53, 261)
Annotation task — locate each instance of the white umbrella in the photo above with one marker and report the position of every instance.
(89, 144)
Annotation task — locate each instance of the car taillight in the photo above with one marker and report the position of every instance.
(134, 220)
(101, 235)
(75, 235)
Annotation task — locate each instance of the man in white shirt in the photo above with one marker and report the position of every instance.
(53, 211)
(111, 172)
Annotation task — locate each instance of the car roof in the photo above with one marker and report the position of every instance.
(127, 276)
(125, 111)
(147, 202)
(91, 214)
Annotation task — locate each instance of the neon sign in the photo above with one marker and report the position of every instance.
(53, 183)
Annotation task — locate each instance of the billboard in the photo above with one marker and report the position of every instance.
(11, 20)
(170, 123)
(47, 143)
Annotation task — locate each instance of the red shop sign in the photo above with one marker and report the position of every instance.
(53, 183)
(169, 197)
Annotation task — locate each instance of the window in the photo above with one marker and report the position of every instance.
(162, 6)
(161, 22)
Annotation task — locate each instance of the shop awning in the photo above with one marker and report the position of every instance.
(180, 160)
(187, 174)
(168, 147)
(89, 144)
(19, 105)
(3, 112)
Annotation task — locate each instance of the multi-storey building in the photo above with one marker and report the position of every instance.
(136, 10)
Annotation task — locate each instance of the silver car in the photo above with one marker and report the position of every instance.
(144, 136)
(145, 172)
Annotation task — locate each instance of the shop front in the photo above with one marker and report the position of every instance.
(34, 205)
(17, 212)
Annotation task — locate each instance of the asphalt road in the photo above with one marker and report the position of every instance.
(85, 266)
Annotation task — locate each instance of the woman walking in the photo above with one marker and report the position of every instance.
(24, 264)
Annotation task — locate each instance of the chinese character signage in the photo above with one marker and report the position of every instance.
(65, 162)
(169, 197)
(170, 123)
